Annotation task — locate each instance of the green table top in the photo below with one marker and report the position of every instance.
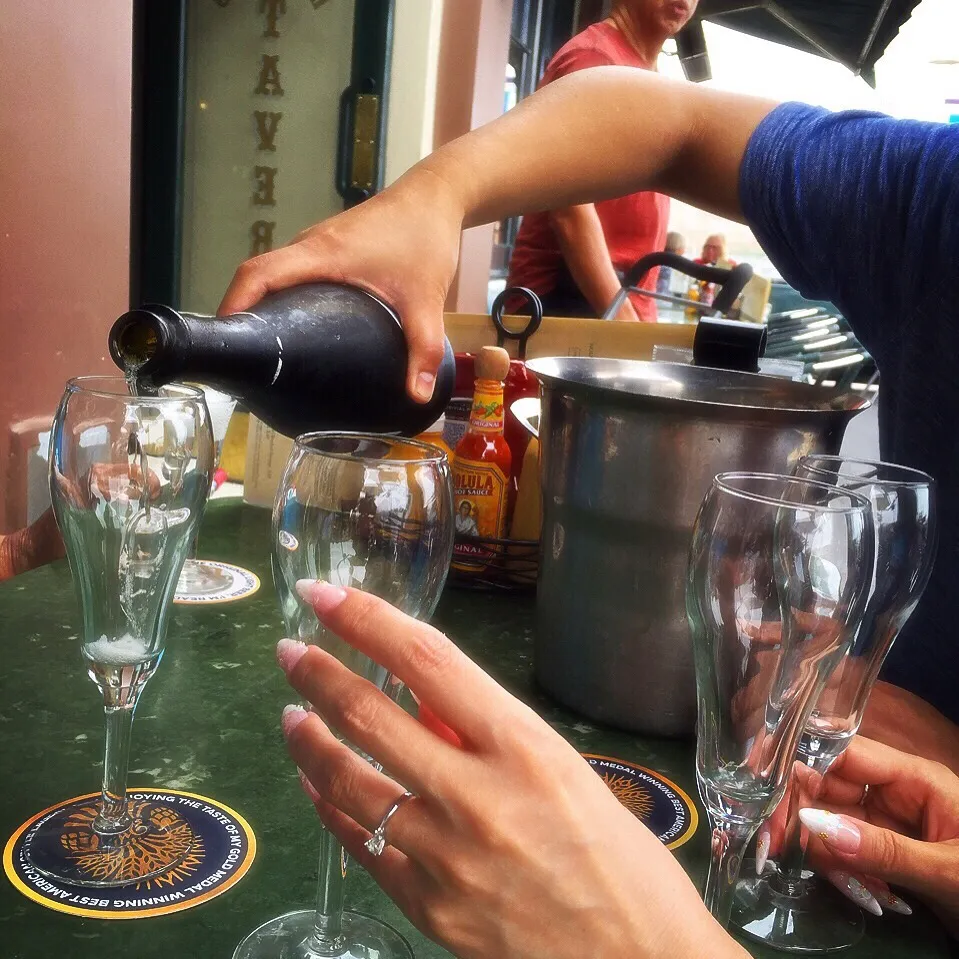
(209, 723)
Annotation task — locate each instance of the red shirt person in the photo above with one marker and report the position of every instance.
(571, 257)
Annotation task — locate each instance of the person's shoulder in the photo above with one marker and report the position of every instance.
(596, 46)
(883, 186)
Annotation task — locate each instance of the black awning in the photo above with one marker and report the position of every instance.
(853, 32)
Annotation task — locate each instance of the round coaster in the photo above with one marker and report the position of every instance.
(218, 843)
(665, 808)
(216, 583)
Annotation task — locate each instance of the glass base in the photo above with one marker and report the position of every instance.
(67, 846)
(814, 919)
(289, 937)
(201, 579)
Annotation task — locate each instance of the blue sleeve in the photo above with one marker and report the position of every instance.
(859, 209)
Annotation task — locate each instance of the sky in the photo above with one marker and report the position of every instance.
(909, 84)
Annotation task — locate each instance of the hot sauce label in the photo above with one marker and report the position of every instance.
(479, 495)
(487, 413)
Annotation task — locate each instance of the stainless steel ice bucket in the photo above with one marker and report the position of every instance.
(628, 451)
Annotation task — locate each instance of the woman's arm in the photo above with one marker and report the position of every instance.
(599, 134)
(595, 134)
(901, 719)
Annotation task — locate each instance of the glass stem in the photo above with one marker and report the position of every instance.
(113, 817)
(729, 841)
(327, 938)
(789, 880)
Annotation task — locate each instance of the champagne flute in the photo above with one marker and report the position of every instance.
(200, 578)
(374, 513)
(790, 909)
(779, 569)
(128, 480)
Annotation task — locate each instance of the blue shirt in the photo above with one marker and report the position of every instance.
(863, 210)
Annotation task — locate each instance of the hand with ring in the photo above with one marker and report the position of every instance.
(509, 844)
(884, 817)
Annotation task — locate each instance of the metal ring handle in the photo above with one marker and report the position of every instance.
(536, 317)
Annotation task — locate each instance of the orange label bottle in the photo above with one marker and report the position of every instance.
(481, 466)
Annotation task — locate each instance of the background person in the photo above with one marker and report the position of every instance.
(714, 254)
(571, 256)
(714, 251)
(675, 243)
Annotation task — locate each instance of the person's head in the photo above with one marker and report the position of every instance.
(714, 249)
(675, 243)
(465, 509)
(662, 17)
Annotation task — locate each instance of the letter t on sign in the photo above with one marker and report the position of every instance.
(273, 9)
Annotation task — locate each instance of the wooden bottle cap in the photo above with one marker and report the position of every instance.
(492, 363)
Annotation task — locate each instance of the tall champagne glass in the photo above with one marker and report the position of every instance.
(374, 513)
(788, 907)
(128, 479)
(779, 569)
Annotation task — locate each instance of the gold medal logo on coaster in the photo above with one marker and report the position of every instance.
(660, 804)
(184, 850)
(211, 582)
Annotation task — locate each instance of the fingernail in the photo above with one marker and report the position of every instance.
(762, 851)
(853, 889)
(839, 832)
(307, 786)
(323, 597)
(292, 717)
(288, 653)
(423, 387)
(893, 903)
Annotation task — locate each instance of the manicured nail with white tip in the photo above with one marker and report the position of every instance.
(853, 889)
(288, 653)
(839, 832)
(292, 717)
(889, 900)
(323, 597)
(762, 851)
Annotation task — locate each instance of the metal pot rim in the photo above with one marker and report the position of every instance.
(560, 373)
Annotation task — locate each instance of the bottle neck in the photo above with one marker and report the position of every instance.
(232, 353)
(488, 413)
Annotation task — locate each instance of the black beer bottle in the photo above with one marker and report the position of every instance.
(314, 357)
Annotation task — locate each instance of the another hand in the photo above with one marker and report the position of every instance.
(901, 719)
(904, 831)
(513, 846)
(402, 245)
